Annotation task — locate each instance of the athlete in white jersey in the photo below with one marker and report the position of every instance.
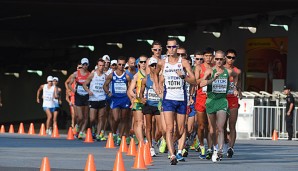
(48, 95)
(174, 99)
(97, 98)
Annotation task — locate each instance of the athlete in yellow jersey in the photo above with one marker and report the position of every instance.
(135, 98)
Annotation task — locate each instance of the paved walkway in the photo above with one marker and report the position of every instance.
(25, 152)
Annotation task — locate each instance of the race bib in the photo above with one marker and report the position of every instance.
(152, 96)
(81, 91)
(219, 85)
(120, 88)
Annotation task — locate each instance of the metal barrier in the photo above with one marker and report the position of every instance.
(264, 120)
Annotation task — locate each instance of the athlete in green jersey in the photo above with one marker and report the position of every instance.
(217, 81)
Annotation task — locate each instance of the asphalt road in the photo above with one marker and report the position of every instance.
(25, 153)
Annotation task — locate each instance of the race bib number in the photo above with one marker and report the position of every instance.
(48, 97)
(120, 88)
(204, 89)
(81, 91)
(219, 85)
(231, 88)
(152, 96)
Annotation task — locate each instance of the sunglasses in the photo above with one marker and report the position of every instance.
(181, 54)
(153, 65)
(85, 64)
(121, 65)
(50, 81)
(170, 47)
(199, 59)
(114, 64)
(79, 67)
(219, 59)
(142, 62)
(156, 49)
(231, 57)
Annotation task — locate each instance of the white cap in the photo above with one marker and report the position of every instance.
(50, 78)
(55, 78)
(152, 61)
(85, 60)
(126, 65)
(113, 62)
(106, 58)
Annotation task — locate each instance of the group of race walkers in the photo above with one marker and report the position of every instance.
(173, 102)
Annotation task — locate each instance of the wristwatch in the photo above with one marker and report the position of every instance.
(182, 76)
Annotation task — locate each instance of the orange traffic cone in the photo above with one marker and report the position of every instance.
(110, 142)
(123, 145)
(55, 133)
(11, 129)
(119, 163)
(21, 128)
(139, 159)
(45, 164)
(31, 129)
(274, 136)
(42, 131)
(89, 138)
(70, 134)
(147, 155)
(90, 165)
(2, 129)
(132, 149)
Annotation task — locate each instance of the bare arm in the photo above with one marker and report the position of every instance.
(198, 70)
(107, 83)
(38, 93)
(205, 80)
(190, 78)
(87, 82)
(71, 80)
(131, 95)
(143, 86)
(155, 76)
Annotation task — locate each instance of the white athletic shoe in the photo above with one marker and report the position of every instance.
(214, 156)
(152, 151)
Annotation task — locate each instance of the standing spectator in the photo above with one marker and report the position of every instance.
(290, 111)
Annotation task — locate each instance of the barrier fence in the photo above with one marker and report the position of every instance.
(259, 122)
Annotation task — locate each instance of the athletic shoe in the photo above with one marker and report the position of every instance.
(184, 152)
(136, 140)
(219, 155)
(152, 152)
(81, 135)
(203, 153)
(169, 155)
(118, 142)
(98, 138)
(225, 148)
(47, 131)
(173, 160)
(162, 146)
(194, 145)
(179, 157)
(102, 136)
(128, 140)
(155, 146)
(214, 156)
(208, 154)
(230, 152)
(115, 137)
(50, 131)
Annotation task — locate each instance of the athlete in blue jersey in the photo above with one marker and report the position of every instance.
(120, 102)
